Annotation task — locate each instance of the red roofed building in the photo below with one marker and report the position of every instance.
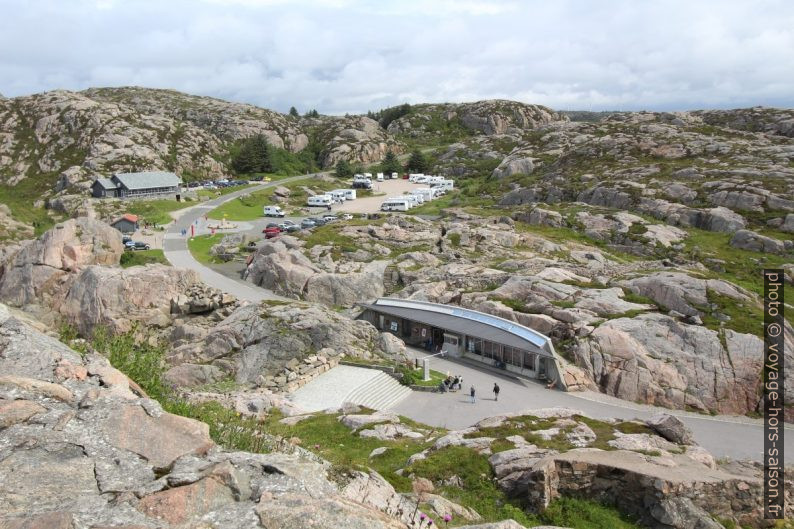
(127, 223)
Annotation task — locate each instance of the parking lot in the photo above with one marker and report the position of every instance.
(381, 191)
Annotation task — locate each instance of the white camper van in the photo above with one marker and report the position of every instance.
(395, 176)
(413, 177)
(350, 194)
(380, 177)
(395, 204)
(338, 194)
(320, 200)
(414, 199)
(426, 193)
(272, 211)
(368, 175)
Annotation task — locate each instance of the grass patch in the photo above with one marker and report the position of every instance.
(584, 514)
(332, 440)
(142, 257)
(155, 211)
(201, 245)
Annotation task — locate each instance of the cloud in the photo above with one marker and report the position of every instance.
(346, 56)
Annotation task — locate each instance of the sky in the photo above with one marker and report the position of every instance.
(346, 56)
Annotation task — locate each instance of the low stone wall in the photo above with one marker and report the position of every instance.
(298, 373)
(659, 501)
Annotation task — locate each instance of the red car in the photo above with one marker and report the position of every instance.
(272, 230)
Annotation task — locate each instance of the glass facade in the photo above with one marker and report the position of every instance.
(496, 352)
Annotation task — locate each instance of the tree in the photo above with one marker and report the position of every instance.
(343, 169)
(390, 163)
(253, 156)
(293, 112)
(312, 114)
(417, 163)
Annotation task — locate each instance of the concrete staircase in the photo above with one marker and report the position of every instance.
(381, 392)
(365, 387)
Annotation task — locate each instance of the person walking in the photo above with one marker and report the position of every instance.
(495, 391)
(471, 394)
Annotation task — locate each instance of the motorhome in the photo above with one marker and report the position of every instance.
(446, 184)
(338, 194)
(415, 200)
(350, 194)
(380, 177)
(413, 177)
(426, 193)
(416, 196)
(320, 200)
(395, 176)
(273, 211)
(368, 175)
(396, 204)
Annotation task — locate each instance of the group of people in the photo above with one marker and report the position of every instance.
(451, 384)
(455, 383)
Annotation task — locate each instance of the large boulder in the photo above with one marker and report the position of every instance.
(755, 242)
(257, 341)
(671, 428)
(37, 270)
(116, 297)
(287, 271)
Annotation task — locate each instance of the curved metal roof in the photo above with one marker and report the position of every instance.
(468, 321)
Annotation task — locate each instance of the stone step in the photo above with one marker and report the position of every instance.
(378, 393)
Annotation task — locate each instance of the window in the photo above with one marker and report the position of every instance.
(529, 360)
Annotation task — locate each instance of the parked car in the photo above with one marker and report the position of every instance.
(272, 230)
(292, 229)
(286, 225)
(318, 221)
(346, 216)
(125, 239)
(330, 218)
(307, 223)
(136, 245)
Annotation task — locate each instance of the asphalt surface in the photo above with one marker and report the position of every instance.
(176, 251)
(736, 437)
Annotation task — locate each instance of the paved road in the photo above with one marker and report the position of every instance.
(176, 250)
(736, 437)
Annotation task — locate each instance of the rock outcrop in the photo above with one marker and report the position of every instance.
(288, 272)
(37, 270)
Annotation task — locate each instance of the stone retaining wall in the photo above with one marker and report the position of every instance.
(298, 373)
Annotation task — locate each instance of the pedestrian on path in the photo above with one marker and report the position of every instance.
(471, 394)
(495, 391)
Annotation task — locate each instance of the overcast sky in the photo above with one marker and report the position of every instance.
(342, 56)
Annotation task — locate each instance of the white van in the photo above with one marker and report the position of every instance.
(380, 177)
(338, 194)
(368, 175)
(395, 204)
(320, 200)
(395, 176)
(414, 176)
(272, 211)
(350, 194)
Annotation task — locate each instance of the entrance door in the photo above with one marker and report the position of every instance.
(452, 344)
(541, 367)
(438, 337)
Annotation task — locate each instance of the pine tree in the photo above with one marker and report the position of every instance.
(390, 163)
(293, 112)
(343, 169)
(253, 156)
(417, 163)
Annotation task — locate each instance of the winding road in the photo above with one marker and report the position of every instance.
(736, 437)
(176, 251)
